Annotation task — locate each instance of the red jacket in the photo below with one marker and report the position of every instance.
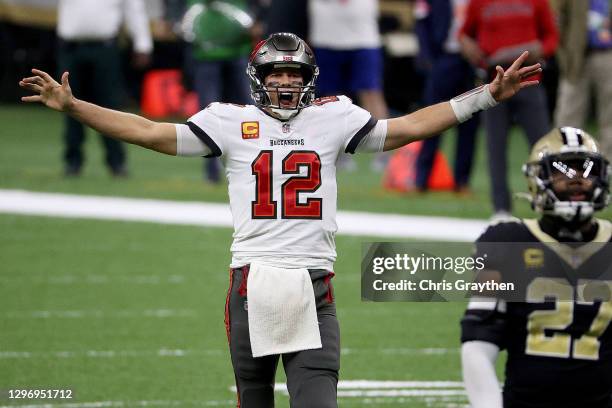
(505, 28)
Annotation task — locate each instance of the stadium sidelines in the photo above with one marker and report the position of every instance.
(218, 215)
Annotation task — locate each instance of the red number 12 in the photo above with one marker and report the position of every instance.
(265, 207)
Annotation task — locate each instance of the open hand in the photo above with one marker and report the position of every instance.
(509, 82)
(48, 91)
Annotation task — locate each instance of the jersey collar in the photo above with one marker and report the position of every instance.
(574, 257)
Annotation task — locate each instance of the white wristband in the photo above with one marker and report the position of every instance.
(465, 105)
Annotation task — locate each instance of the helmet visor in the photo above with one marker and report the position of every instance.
(575, 166)
(574, 176)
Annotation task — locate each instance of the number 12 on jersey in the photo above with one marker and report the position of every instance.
(264, 207)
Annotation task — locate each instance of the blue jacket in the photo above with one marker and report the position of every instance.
(434, 19)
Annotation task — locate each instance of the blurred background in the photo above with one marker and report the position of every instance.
(130, 313)
(168, 85)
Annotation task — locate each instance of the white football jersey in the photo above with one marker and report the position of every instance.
(282, 176)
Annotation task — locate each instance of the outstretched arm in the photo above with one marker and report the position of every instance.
(126, 127)
(435, 119)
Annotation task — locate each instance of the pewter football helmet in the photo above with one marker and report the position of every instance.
(282, 50)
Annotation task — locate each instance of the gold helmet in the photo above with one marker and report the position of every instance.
(569, 152)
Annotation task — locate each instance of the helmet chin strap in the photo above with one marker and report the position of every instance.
(284, 114)
(280, 113)
(573, 212)
(569, 219)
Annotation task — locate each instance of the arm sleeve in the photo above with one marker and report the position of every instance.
(188, 144)
(358, 123)
(137, 22)
(479, 377)
(549, 34)
(374, 140)
(206, 127)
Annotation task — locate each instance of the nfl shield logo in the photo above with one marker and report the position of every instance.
(286, 128)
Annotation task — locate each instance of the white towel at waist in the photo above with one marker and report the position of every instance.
(282, 310)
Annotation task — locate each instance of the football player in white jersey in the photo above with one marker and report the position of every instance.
(280, 156)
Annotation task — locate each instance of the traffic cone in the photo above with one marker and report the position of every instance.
(400, 174)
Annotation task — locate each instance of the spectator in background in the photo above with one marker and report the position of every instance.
(348, 48)
(347, 44)
(585, 63)
(282, 16)
(448, 73)
(217, 56)
(87, 33)
(494, 33)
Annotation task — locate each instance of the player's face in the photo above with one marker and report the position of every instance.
(572, 180)
(283, 87)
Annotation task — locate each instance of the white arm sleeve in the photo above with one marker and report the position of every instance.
(188, 144)
(374, 140)
(478, 362)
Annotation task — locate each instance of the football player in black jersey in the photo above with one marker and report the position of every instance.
(558, 336)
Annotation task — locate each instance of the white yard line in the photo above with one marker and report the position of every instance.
(218, 215)
(352, 385)
(398, 393)
(172, 352)
(163, 352)
(390, 389)
(401, 351)
(92, 279)
(373, 384)
(80, 314)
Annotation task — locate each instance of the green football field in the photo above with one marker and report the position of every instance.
(131, 314)
(134, 312)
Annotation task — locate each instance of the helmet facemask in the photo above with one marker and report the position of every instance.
(572, 170)
(263, 95)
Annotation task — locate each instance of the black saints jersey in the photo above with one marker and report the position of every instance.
(559, 337)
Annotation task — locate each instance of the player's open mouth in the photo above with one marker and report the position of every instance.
(286, 99)
(577, 197)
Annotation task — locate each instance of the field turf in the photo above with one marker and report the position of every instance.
(134, 312)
